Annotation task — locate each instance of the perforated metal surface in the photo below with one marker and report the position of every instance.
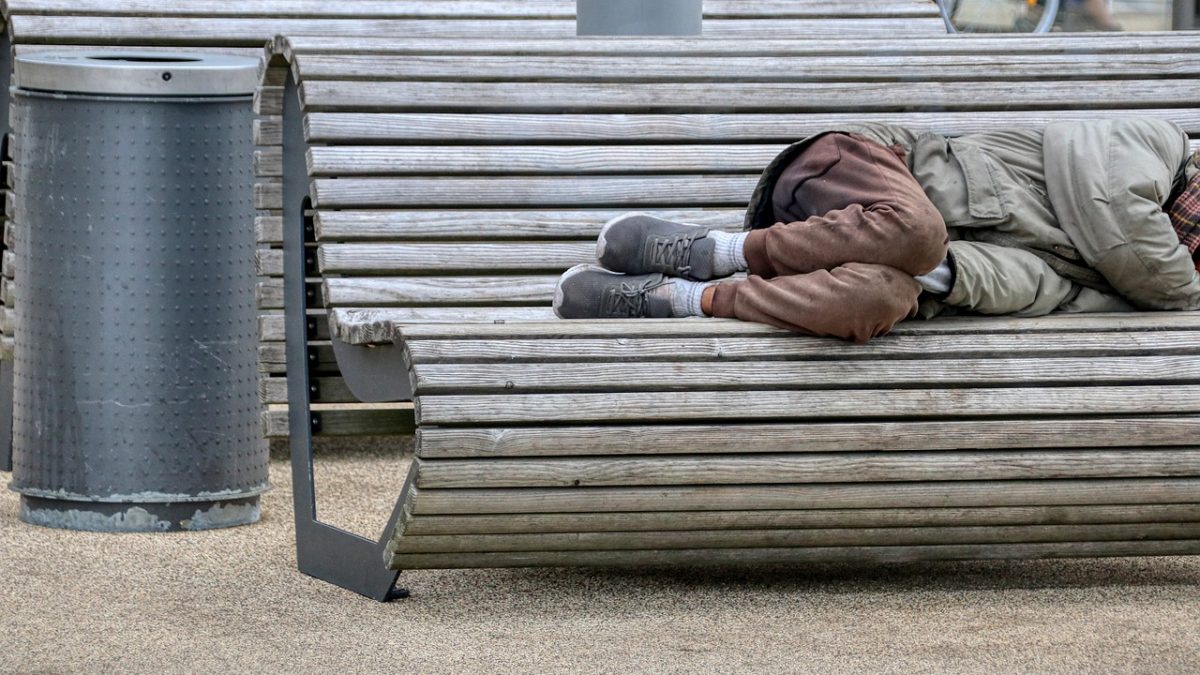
(135, 358)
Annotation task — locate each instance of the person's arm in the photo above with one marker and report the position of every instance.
(991, 279)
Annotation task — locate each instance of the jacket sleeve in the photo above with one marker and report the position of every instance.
(991, 279)
(1108, 183)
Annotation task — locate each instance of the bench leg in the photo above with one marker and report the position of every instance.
(322, 551)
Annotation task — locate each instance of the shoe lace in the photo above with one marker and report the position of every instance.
(672, 252)
(629, 299)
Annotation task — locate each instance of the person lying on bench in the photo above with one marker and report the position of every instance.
(853, 230)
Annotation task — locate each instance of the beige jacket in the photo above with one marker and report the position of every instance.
(1069, 218)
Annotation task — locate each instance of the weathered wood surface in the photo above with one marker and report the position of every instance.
(535, 191)
(418, 258)
(771, 437)
(782, 347)
(551, 523)
(758, 556)
(494, 225)
(664, 97)
(773, 469)
(796, 405)
(336, 127)
(835, 68)
(294, 47)
(682, 375)
(822, 496)
(383, 325)
(799, 539)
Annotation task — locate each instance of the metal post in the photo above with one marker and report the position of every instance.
(1185, 12)
(639, 17)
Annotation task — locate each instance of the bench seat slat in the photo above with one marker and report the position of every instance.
(842, 69)
(666, 521)
(441, 290)
(669, 97)
(797, 405)
(768, 556)
(785, 347)
(815, 496)
(743, 437)
(540, 191)
(296, 46)
(333, 127)
(781, 538)
(464, 257)
(383, 325)
(773, 469)
(931, 371)
(434, 225)
(530, 160)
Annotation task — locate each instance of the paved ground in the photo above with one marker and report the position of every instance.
(231, 601)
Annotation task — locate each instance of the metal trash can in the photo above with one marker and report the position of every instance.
(135, 404)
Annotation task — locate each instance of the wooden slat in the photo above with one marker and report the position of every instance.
(549, 523)
(867, 436)
(379, 325)
(331, 95)
(345, 422)
(843, 404)
(185, 31)
(983, 67)
(785, 346)
(424, 258)
(845, 467)
(780, 44)
(335, 127)
(273, 390)
(437, 225)
(375, 325)
(531, 160)
(849, 554)
(774, 497)
(932, 371)
(493, 290)
(542, 192)
(470, 545)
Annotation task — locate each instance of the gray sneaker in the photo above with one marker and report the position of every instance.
(638, 243)
(590, 292)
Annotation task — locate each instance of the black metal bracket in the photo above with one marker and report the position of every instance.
(322, 550)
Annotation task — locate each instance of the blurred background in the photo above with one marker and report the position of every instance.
(1075, 15)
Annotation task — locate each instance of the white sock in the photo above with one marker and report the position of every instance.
(939, 280)
(729, 257)
(686, 295)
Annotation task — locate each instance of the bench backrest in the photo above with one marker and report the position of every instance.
(454, 182)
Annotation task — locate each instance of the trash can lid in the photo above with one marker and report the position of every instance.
(137, 73)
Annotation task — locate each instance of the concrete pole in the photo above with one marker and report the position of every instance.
(639, 17)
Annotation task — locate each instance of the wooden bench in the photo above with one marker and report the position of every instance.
(229, 26)
(432, 193)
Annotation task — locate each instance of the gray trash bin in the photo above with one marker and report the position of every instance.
(135, 402)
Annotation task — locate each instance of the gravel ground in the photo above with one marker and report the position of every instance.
(232, 601)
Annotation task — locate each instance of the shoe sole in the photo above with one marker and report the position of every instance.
(558, 288)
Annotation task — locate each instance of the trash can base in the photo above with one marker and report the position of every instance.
(139, 516)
